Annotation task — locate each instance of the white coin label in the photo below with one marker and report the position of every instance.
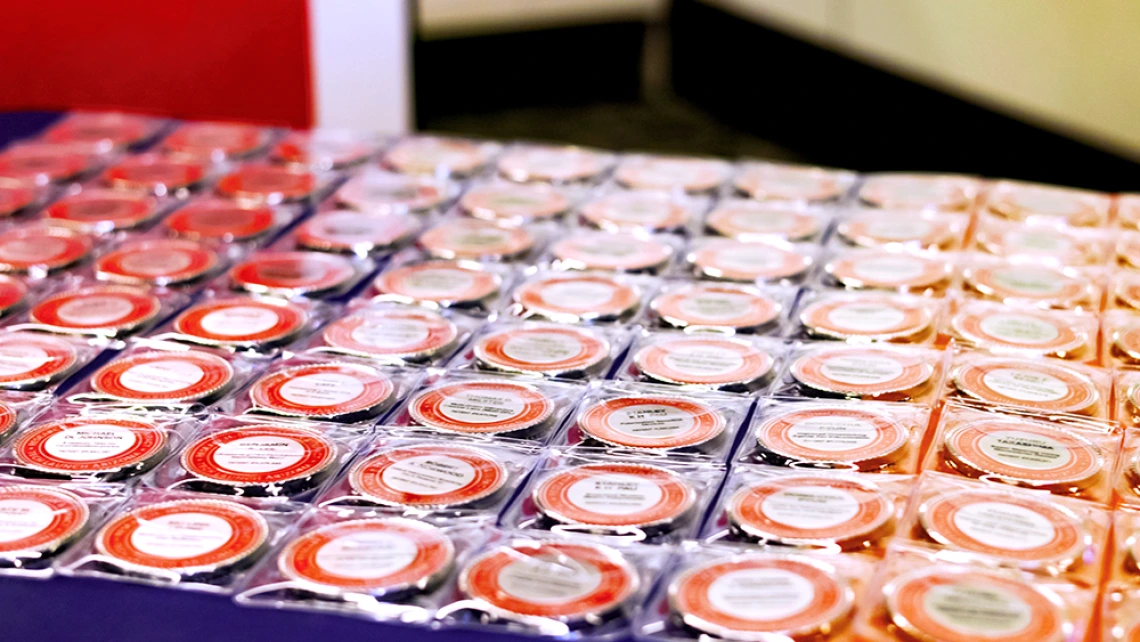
(614, 494)
(322, 389)
(1025, 450)
(1026, 385)
(428, 475)
(161, 376)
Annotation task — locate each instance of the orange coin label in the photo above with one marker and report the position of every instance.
(843, 435)
(634, 495)
(652, 422)
(703, 361)
(36, 519)
(740, 261)
(482, 407)
(548, 350)
(623, 211)
(427, 476)
(809, 509)
(1025, 452)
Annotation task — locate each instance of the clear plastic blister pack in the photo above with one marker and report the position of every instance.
(471, 239)
(1029, 202)
(901, 228)
(155, 261)
(487, 407)
(539, 349)
(82, 444)
(1022, 331)
(426, 478)
(726, 593)
(326, 149)
(17, 408)
(475, 288)
(105, 130)
(615, 496)
(869, 317)
(727, 308)
(964, 520)
(865, 437)
(655, 421)
(749, 220)
(1126, 389)
(586, 297)
(1123, 291)
(511, 204)
(766, 181)
(554, 164)
(704, 361)
(352, 234)
(234, 227)
(181, 540)
(1052, 242)
(1068, 456)
(1019, 281)
(922, 191)
(353, 562)
(784, 511)
(298, 274)
(1126, 480)
(375, 191)
(341, 389)
(160, 174)
(1120, 339)
(35, 250)
(35, 361)
(621, 252)
(452, 157)
(672, 174)
(879, 372)
(40, 520)
(645, 211)
(1047, 387)
(771, 262)
(218, 142)
(106, 213)
(890, 270)
(47, 163)
(552, 586)
(19, 197)
(282, 461)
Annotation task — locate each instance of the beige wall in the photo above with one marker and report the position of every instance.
(1072, 66)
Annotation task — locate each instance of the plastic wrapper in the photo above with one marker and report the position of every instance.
(747, 220)
(348, 562)
(18, 408)
(912, 229)
(862, 437)
(1036, 283)
(869, 373)
(587, 297)
(249, 324)
(51, 163)
(725, 593)
(440, 156)
(38, 250)
(432, 479)
(512, 204)
(153, 261)
(218, 141)
(964, 520)
(553, 586)
(1128, 211)
(84, 308)
(1020, 201)
(528, 163)
(33, 361)
(465, 238)
(394, 334)
(41, 520)
(641, 211)
(1030, 385)
(726, 308)
(1120, 339)
(106, 130)
(764, 181)
(544, 350)
(375, 191)
(1024, 331)
(160, 174)
(353, 233)
(274, 184)
(181, 540)
(106, 212)
(1127, 397)
(936, 192)
(786, 510)
(343, 390)
(1127, 248)
(292, 274)
(654, 422)
(77, 443)
(1072, 457)
(890, 270)
(687, 174)
(486, 408)
(869, 317)
(628, 252)
(325, 149)
(22, 196)
(1123, 291)
(1118, 614)
(704, 361)
(474, 288)
(259, 459)
(18, 292)
(163, 376)
(617, 497)
(1127, 475)
(918, 594)
(1054, 243)
(1123, 569)
(223, 222)
(772, 262)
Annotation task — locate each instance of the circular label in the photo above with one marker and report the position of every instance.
(503, 202)
(1024, 452)
(27, 358)
(809, 510)
(428, 476)
(431, 155)
(887, 270)
(665, 173)
(158, 262)
(652, 423)
(349, 231)
(38, 519)
(614, 495)
(918, 191)
(744, 220)
(268, 183)
(1033, 385)
(326, 149)
(163, 376)
(118, 130)
(386, 193)
(599, 251)
(580, 297)
(45, 162)
(551, 164)
(481, 407)
(743, 261)
(870, 317)
(440, 282)
(100, 308)
(187, 536)
(102, 210)
(322, 390)
(214, 141)
(475, 239)
(701, 361)
(566, 581)
(392, 333)
(861, 371)
(833, 435)
(295, 272)
(716, 306)
(221, 220)
(48, 248)
(788, 183)
(626, 211)
(1026, 330)
(259, 454)
(1032, 283)
(90, 446)
(373, 555)
(544, 350)
(239, 321)
(154, 173)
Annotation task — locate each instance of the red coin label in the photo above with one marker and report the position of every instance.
(759, 595)
(869, 317)
(163, 376)
(482, 407)
(833, 435)
(384, 193)
(741, 261)
(615, 495)
(1023, 329)
(257, 454)
(12, 293)
(966, 605)
(544, 350)
(27, 358)
(322, 390)
(96, 209)
(118, 129)
(588, 296)
(268, 182)
(44, 161)
(348, 231)
(51, 248)
(218, 219)
(211, 140)
(392, 333)
(652, 423)
(14, 198)
(861, 371)
(238, 321)
(158, 262)
(746, 221)
(888, 270)
(428, 155)
(611, 252)
(475, 239)
(514, 202)
(428, 476)
(1024, 452)
(716, 306)
(516, 579)
(1033, 385)
(38, 519)
(551, 164)
(809, 510)
(89, 445)
(917, 191)
(688, 174)
(296, 272)
(788, 183)
(703, 361)
(105, 308)
(625, 211)
(374, 555)
(151, 172)
(185, 536)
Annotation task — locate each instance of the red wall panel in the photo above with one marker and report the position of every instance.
(225, 59)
